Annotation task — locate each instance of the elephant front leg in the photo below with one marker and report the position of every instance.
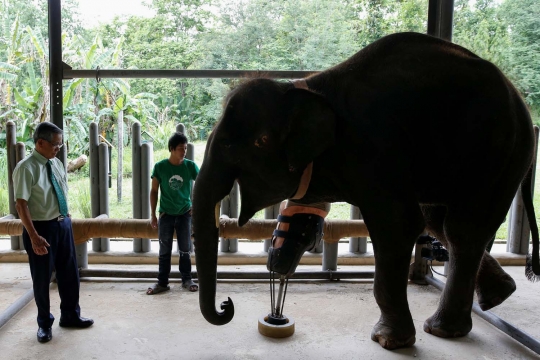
(395, 328)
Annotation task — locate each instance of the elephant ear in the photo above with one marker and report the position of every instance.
(311, 127)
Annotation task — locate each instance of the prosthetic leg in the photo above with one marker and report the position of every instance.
(299, 229)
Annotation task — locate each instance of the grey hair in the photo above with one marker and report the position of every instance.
(45, 131)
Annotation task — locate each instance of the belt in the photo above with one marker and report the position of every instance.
(59, 219)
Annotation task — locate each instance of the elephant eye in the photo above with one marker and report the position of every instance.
(262, 141)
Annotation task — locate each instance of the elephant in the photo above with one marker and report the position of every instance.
(419, 133)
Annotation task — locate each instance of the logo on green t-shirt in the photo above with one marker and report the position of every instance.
(176, 182)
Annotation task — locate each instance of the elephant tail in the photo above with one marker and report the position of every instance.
(532, 267)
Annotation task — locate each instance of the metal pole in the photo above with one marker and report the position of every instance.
(507, 328)
(17, 306)
(299, 275)
(190, 155)
(330, 255)
(56, 69)
(357, 244)
(120, 162)
(136, 177)
(103, 149)
(176, 74)
(441, 18)
(147, 162)
(20, 153)
(11, 140)
(94, 178)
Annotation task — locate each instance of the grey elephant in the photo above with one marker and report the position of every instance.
(419, 133)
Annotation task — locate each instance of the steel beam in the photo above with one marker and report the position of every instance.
(176, 74)
(441, 18)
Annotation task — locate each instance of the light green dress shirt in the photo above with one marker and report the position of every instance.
(31, 183)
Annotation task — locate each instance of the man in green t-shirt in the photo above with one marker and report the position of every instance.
(174, 177)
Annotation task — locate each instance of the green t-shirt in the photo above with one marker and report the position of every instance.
(175, 185)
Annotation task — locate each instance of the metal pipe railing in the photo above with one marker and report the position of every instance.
(507, 328)
(230, 275)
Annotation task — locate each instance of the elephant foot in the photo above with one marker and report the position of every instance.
(492, 291)
(390, 338)
(444, 329)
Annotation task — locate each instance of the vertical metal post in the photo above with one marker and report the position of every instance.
(20, 153)
(11, 140)
(136, 177)
(190, 155)
(357, 244)
(94, 178)
(120, 162)
(441, 18)
(56, 69)
(147, 162)
(103, 149)
(181, 128)
(330, 255)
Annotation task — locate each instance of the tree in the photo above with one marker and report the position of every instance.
(522, 18)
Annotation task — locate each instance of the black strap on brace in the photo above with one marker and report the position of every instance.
(304, 234)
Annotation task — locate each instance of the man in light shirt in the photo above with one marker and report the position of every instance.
(40, 185)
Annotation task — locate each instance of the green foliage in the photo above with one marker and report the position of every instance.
(80, 196)
(162, 134)
(4, 195)
(225, 34)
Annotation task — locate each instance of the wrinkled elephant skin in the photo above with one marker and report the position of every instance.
(417, 132)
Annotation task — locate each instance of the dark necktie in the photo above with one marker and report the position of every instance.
(62, 204)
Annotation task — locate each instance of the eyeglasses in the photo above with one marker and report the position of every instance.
(58, 145)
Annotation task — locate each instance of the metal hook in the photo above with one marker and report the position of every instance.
(98, 79)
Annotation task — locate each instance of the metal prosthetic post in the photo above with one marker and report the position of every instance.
(276, 315)
(275, 324)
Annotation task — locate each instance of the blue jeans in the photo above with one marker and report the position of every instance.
(166, 226)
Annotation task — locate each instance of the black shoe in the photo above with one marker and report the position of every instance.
(44, 335)
(79, 322)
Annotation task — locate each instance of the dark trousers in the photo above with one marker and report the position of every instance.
(60, 257)
(166, 226)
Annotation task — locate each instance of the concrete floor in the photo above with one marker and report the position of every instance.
(333, 321)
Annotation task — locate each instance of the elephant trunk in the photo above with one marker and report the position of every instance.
(209, 189)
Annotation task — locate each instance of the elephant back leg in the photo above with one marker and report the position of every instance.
(467, 229)
(493, 284)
